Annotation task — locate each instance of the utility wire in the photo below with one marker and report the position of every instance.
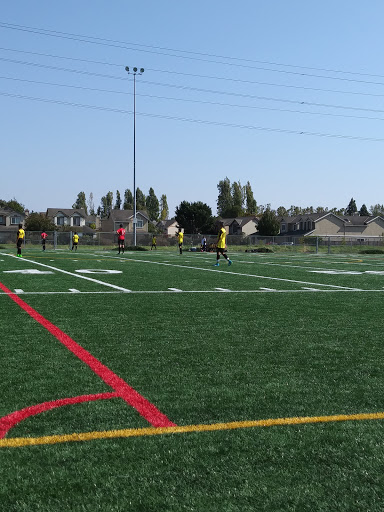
(188, 100)
(195, 89)
(108, 42)
(213, 77)
(199, 121)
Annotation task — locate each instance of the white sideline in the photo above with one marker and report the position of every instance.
(79, 276)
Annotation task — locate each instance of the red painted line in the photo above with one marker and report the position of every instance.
(12, 419)
(123, 390)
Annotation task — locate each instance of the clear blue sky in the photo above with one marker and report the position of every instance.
(249, 63)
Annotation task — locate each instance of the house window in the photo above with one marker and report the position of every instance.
(2, 220)
(15, 220)
(76, 221)
(283, 227)
(139, 223)
(60, 221)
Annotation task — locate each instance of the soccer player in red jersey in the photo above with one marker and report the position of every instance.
(121, 238)
(44, 236)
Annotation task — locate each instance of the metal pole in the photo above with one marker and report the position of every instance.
(134, 72)
(134, 159)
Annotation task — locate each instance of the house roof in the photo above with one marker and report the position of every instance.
(68, 212)
(241, 221)
(124, 215)
(5, 210)
(167, 223)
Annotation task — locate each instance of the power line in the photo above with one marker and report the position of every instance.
(94, 40)
(188, 100)
(199, 121)
(106, 42)
(212, 77)
(195, 89)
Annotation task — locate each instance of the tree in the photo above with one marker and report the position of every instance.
(81, 202)
(377, 209)
(128, 200)
(224, 199)
(237, 199)
(268, 224)
(294, 211)
(195, 217)
(250, 203)
(281, 211)
(351, 208)
(152, 205)
(91, 205)
(164, 210)
(363, 211)
(106, 204)
(140, 200)
(13, 205)
(38, 222)
(118, 201)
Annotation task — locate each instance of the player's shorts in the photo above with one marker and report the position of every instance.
(75, 244)
(19, 242)
(43, 241)
(121, 241)
(220, 249)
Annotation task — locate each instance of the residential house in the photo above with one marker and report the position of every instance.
(329, 224)
(169, 227)
(71, 217)
(243, 226)
(10, 219)
(125, 217)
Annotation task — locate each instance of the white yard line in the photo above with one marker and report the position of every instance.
(79, 276)
(237, 273)
(144, 292)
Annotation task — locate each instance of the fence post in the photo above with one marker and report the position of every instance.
(54, 240)
(329, 245)
(317, 245)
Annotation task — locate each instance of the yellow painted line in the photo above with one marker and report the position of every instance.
(15, 442)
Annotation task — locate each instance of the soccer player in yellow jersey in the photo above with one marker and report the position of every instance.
(20, 240)
(220, 245)
(181, 239)
(75, 240)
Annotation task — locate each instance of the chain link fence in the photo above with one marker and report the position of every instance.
(194, 242)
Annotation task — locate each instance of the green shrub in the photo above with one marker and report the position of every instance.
(260, 249)
(136, 248)
(372, 251)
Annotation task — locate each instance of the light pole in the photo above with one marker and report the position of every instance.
(134, 72)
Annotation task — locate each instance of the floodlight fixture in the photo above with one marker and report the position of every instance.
(134, 72)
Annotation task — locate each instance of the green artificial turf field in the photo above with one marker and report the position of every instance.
(163, 367)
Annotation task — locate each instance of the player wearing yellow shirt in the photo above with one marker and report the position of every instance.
(75, 240)
(181, 239)
(20, 240)
(220, 245)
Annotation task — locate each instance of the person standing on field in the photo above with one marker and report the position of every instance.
(220, 245)
(153, 246)
(75, 241)
(44, 236)
(180, 237)
(20, 240)
(121, 238)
